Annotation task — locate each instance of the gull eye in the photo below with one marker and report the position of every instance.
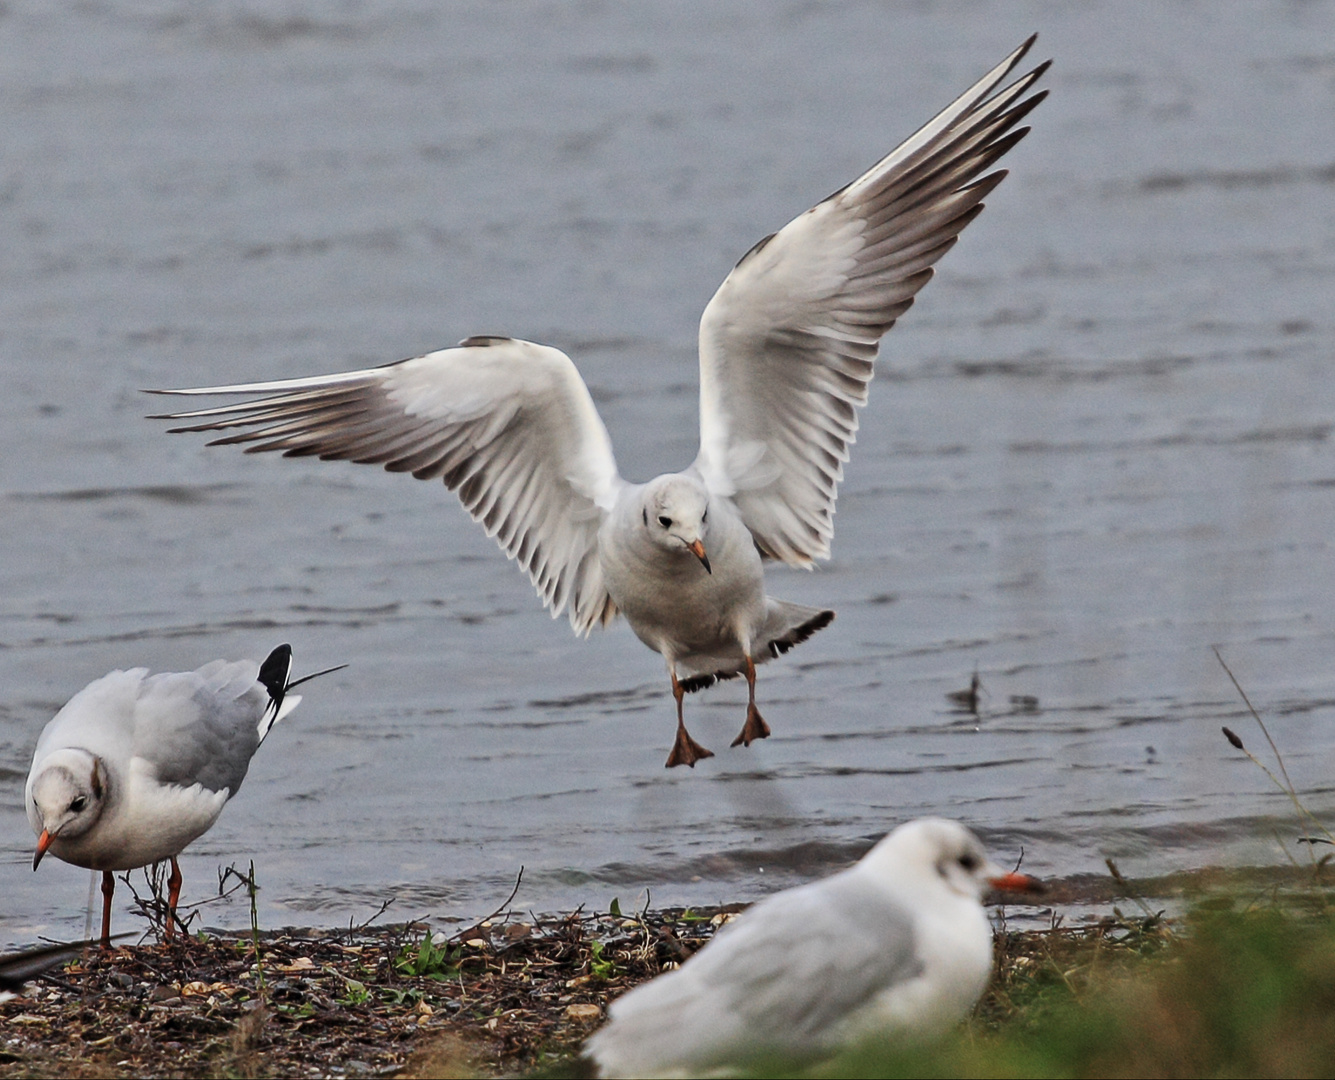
(665, 521)
(78, 804)
(969, 861)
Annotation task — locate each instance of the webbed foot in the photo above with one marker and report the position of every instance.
(686, 751)
(754, 728)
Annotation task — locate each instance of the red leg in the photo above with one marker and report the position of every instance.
(755, 726)
(108, 887)
(685, 751)
(173, 895)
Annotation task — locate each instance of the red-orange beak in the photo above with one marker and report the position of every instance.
(43, 842)
(698, 550)
(1017, 883)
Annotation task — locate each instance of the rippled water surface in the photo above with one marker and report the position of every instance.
(1097, 446)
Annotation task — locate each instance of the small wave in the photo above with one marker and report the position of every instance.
(1232, 179)
(174, 494)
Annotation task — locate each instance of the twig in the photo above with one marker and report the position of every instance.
(384, 906)
(1255, 715)
(92, 893)
(314, 675)
(460, 936)
(155, 908)
(1286, 785)
(1130, 893)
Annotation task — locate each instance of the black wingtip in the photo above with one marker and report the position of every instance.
(274, 672)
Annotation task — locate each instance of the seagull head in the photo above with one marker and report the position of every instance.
(66, 797)
(674, 513)
(948, 853)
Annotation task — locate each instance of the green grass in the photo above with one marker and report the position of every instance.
(1229, 992)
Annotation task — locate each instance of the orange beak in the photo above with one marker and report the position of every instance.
(43, 842)
(698, 550)
(1017, 883)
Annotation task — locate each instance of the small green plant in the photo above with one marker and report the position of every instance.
(615, 907)
(395, 996)
(248, 882)
(602, 968)
(356, 994)
(429, 960)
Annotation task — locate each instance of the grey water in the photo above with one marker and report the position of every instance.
(1098, 446)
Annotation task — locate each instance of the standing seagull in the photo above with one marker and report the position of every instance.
(136, 766)
(897, 943)
(787, 346)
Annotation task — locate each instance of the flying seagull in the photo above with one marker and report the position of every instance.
(787, 347)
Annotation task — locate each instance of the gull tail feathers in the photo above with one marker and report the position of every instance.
(275, 676)
(791, 624)
(786, 625)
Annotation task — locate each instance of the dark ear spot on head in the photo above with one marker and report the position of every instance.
(645, 514)
(97, 779)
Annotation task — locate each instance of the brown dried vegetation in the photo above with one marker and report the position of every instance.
(501, 996)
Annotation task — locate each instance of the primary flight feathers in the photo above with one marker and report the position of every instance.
(786, 351)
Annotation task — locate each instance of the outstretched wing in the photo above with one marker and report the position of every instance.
(508, 425)
(787, 342)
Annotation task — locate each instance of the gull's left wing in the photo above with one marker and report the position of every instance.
(787, 343)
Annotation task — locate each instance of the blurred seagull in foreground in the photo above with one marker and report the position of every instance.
(136, 766)
(787, 346)
(17, 968)
(898, 943)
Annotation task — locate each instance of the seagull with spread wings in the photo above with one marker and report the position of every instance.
(787, 351)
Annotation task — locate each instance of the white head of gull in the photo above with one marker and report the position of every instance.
(787, 351)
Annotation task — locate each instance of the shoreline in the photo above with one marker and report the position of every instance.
(507, 995)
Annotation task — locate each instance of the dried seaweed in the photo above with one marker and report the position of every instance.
(503, 996)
